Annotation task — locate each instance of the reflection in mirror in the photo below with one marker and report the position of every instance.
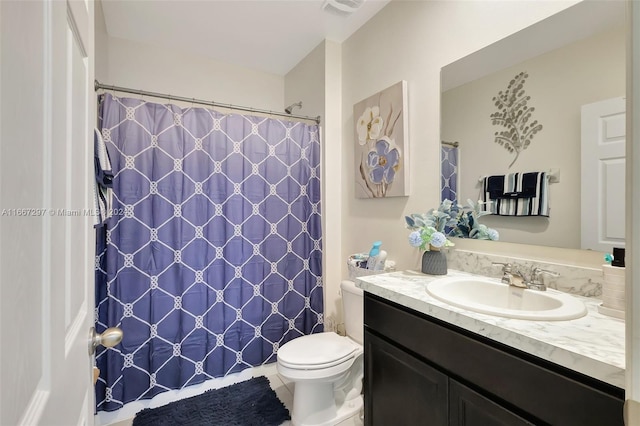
(573, 61)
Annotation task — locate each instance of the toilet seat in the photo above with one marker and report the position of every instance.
(317, 351)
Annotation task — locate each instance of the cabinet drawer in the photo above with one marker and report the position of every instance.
(513, 379)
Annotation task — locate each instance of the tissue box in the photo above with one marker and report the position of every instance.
(613, 291)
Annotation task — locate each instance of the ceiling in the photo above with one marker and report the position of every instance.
(267, 35)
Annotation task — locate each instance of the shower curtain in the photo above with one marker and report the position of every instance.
(211, 259)
(449, 173)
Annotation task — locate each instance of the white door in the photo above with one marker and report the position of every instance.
(603, 175)
(47, 107)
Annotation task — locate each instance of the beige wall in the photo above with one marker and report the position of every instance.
(412, 41)
(632, 406)
(305, 82)
(559, 83)
(316, 81)
(332, 181)
(157, 69)
(101, 45)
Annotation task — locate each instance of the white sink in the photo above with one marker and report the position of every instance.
(490, 296)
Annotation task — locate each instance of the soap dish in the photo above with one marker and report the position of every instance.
(616, 313)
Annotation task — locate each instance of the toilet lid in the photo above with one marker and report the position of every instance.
(316, 351)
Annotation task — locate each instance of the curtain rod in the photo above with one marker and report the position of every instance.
(453, 144)
(98, 86)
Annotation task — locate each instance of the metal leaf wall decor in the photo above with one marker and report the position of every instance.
(515, 116)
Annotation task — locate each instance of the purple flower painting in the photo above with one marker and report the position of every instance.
(381, 144)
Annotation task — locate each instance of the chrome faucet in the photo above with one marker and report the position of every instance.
(511, 275)
(535, 283)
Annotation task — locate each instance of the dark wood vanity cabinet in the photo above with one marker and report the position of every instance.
(423, 371)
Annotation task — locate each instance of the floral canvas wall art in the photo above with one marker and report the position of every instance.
(381, 144)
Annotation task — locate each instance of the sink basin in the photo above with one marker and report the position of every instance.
(490, 296)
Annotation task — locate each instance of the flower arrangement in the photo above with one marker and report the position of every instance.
(467, 225)
(431, 229)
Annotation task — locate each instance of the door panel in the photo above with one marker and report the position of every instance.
(77, 203)
(46, 234)
(603, 175)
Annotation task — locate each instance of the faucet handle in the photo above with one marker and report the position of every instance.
(506, 267)
(507, 276)
(536, 271)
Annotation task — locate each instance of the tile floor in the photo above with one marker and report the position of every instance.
(283, 389)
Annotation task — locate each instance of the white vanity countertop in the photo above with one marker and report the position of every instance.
(592, 345)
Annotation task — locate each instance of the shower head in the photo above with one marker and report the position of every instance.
(289, 109)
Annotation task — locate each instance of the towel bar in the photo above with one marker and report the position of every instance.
(553, 174)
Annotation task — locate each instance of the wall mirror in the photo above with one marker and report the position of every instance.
(573, 62)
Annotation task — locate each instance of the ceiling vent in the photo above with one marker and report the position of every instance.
(342, 7)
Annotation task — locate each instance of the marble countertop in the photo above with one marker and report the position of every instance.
(592, 345)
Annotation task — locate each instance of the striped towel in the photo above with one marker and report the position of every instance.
(517, 194)
(103, 179)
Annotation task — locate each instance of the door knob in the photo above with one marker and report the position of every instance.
(109, 338)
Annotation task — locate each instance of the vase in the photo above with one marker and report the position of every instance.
(434, 262)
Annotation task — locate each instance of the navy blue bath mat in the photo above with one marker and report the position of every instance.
(249, 403)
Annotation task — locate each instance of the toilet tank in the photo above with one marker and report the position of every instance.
(353, 310)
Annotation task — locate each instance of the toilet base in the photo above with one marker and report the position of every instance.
(316, 405)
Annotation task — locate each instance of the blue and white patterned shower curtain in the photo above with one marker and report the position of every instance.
(212, 258)
(449, 173)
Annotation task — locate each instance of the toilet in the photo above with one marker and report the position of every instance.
(326, 368)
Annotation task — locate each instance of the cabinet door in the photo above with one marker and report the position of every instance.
(401, 390)
(469, 408)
